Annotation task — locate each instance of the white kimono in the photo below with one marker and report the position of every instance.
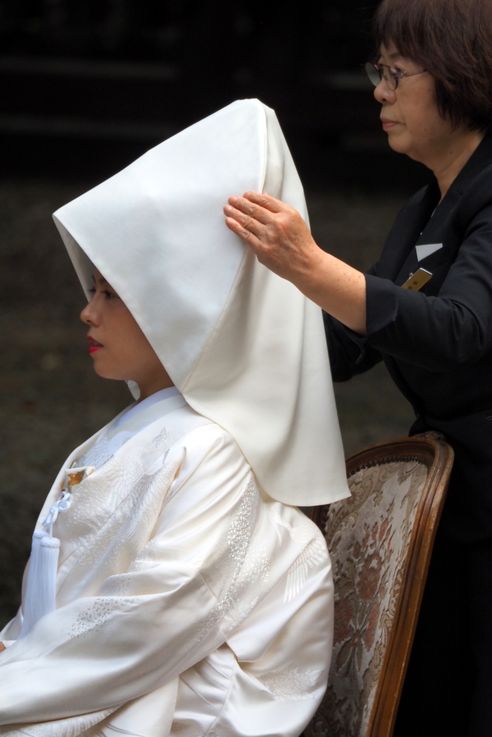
(188, 602)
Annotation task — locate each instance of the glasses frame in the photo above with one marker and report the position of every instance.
(392, 77)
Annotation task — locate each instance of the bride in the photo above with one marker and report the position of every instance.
(174, 588)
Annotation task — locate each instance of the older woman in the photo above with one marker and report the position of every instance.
(425, 309)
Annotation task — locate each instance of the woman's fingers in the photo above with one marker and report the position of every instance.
(245, 226)
(248, 221)
(250, 209)
(239, 223)
(274, 230)
(265, 201)
(259, 214)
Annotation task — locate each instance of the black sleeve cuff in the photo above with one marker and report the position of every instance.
(381, 303)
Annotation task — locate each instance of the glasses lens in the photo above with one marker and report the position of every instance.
(381, 72)
(373, 73)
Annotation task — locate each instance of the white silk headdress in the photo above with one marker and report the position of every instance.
(244, 346)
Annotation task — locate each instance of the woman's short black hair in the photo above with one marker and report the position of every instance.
(452, 40)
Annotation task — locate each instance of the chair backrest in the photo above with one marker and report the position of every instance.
(380, 541)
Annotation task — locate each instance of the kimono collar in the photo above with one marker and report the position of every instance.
(141, 414)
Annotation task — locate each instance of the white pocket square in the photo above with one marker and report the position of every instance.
(427, 249)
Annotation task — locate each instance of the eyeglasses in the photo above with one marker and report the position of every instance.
(391, 76)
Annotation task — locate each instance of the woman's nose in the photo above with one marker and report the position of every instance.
(88, 314)
(383, 93)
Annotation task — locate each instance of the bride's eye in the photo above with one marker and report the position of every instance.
(109, 294)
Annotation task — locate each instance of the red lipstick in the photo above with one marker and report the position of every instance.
(93, 345)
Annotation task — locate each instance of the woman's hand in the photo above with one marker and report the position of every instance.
(282, 241)
(2, 647)
(276, 233)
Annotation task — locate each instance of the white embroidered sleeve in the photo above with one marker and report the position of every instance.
(191, 584)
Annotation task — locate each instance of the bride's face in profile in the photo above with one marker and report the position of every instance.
(116, 344)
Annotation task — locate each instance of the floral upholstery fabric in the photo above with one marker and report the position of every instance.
(369, 538)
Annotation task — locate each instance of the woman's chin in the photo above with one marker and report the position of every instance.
(396, 144)
(105, 374)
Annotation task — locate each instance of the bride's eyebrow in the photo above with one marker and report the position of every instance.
(99, 279)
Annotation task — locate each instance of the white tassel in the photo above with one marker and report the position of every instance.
(39, 597)
(40, 590)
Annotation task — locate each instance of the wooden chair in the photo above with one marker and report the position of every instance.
(380, 541)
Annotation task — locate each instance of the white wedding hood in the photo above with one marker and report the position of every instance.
(244, 346)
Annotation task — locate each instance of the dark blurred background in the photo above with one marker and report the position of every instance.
(85, 85)
(88, 86)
